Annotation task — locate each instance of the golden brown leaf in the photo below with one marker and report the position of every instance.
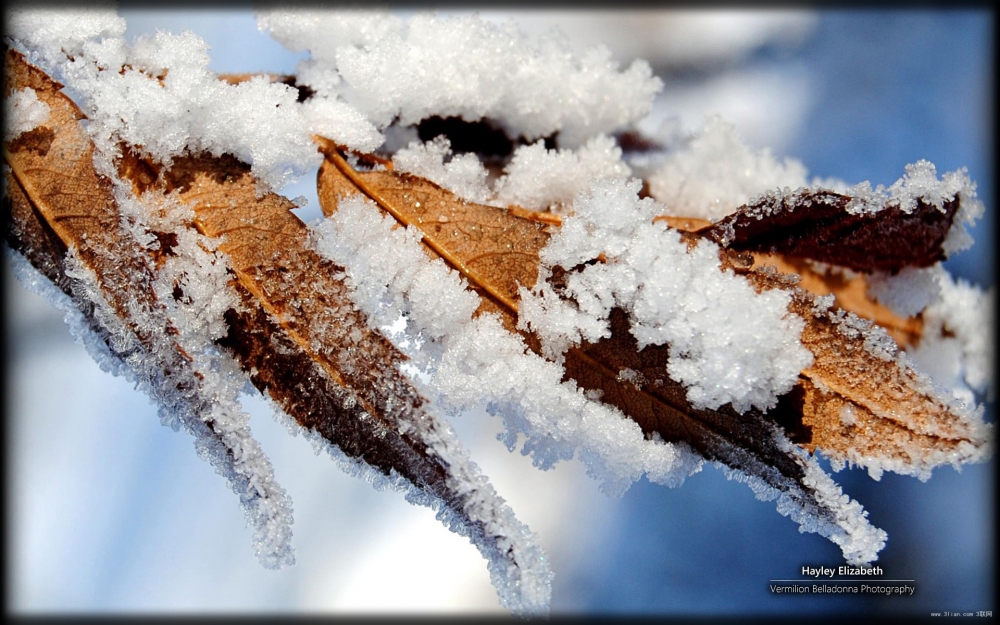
(861, 403)
(850, 293)
(493, 250)
(66, 220)
(882, 412)
(329, 356)
(53, 173)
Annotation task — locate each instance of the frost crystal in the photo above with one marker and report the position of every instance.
(526, 589)
(83, 330)
(340, 122)
(390, 275)
(463, 67)
(957, 349)
(920, 182)
(200, 276)
(160, 96)
(53, 34)
(826, 510)
(535, 178)
(539, 179)
(715, 173)
(197, 402)
(23, 112)
(908, 292)
(728, 344)
(473, 360)
(372, 75)
(200, 392)
(463, 174)
(221, 433)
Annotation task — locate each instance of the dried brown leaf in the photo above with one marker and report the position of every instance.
(65, 219)
(295, 331)
(59, 200)
(816, 224)
(850, 290)
(743, 442)
(897, 422)
(862, 403)
(298, 303)
(495, 251)
(851, 294)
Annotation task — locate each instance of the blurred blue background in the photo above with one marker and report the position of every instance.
(109, 511)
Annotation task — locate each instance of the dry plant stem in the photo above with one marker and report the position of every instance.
(539, 216)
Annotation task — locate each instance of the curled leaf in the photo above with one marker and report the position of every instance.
(825, 226)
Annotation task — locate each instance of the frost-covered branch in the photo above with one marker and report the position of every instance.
(549, 284)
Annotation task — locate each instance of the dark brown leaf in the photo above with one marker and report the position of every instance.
(816, 225)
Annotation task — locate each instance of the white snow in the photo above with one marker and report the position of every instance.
(535, 178)
(375, 73)
(920, 182)
(680, 37)
(159, 95)
(23, 112)
(338, 121)
(957, 342)
(53, 33)
(470, 361)
(540, 179)
(466, 67)
(715, 173)
(461, 174)
(728, 344)
(909, 291)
